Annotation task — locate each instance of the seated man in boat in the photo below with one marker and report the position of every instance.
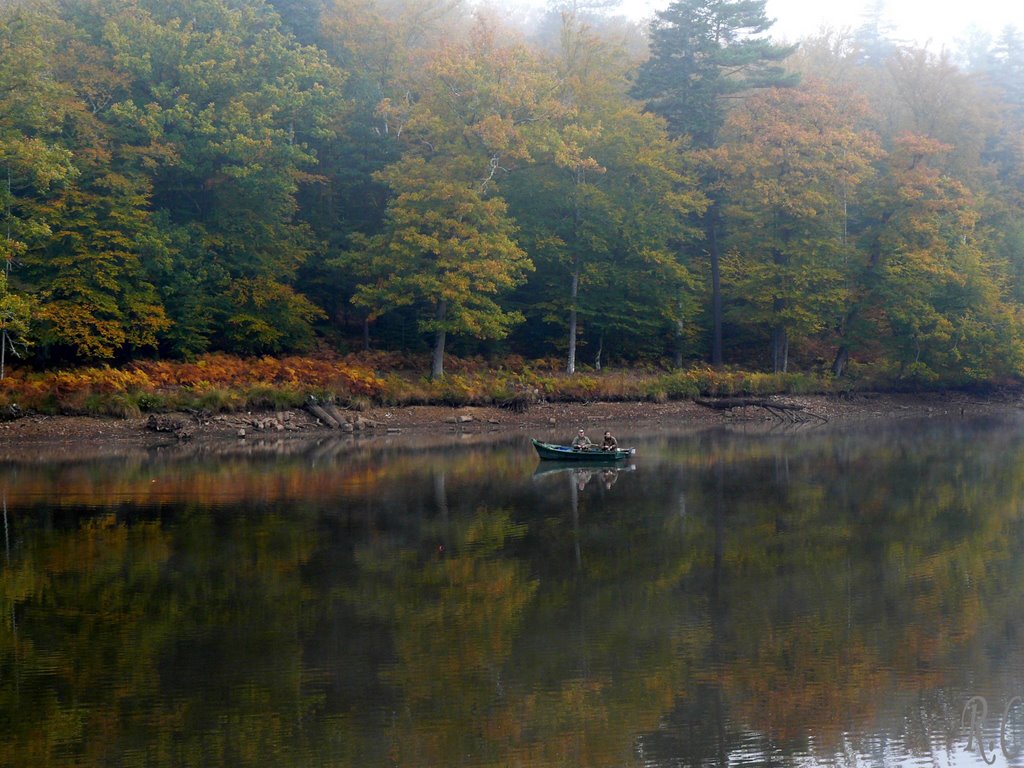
(581, 441)
(609, 443)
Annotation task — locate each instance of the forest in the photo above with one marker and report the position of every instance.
(187, 177)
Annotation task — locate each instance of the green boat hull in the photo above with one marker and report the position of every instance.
(552, 452)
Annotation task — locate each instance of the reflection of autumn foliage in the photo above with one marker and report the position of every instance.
(234, 480)
(804, 680)
(364, 604)
(455, 614)
(946, 612)
(98, 617)
(464, 620)
(854, 609)
(84, 600)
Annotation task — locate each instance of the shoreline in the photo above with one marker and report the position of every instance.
(37, 438)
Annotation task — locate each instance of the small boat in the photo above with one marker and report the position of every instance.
(593, 455)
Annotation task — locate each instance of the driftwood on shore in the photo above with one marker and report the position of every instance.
(318, 411)
(331, 416)
(777, 409)
(175, 426)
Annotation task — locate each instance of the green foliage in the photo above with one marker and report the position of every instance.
(790, 162)
(15, 316)
(448, 244)
(702, 52)
(264, 178)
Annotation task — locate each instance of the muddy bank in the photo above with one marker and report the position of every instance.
(36, 437)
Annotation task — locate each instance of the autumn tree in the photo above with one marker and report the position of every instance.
(92, 276)
(15, 313)
(604, 209)
(448, 245)
(33, 162)
(237, 103)
(384, 48)
(791, 160)
(946, 196)
(926, 286)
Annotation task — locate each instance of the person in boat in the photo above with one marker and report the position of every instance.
(609, 443)
(581, 441)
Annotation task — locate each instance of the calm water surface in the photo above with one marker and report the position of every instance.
(823, 597)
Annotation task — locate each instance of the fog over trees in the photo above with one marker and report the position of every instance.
(186, 176)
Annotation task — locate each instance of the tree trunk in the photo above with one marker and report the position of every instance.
(600, 349)
(576, 260)
(842, 358)
(437, 364)
(716, 288)
(366, 334)
(677, 357)
(570, 367)
(780, 349)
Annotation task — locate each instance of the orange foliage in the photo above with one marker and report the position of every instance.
(214, 371)
(220, 370)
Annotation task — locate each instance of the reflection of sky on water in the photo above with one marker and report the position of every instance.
(953, 748)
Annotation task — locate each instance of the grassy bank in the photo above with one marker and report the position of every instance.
(222, 383)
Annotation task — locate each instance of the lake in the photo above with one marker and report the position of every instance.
(802, 597)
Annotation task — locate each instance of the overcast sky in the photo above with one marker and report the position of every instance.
(937, 23)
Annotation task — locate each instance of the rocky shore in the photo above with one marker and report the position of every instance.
(41, 435)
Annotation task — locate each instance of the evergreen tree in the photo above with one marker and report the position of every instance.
(873, 38)
(704, 53)
(1008, 72)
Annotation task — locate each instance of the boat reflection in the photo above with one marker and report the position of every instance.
(582, 473)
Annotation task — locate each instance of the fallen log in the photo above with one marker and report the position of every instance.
(323, 415)
(334, 412)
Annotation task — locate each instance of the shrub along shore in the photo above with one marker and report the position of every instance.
(219, 383)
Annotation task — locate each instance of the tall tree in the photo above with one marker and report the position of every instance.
(97, 298)
(1008, 67)
(927, 288)
(35, 164)
(791, 161)
(237, 102)
(448, 246)
(604, 209)
(446, 249)
(385, 48)
(704, 54)
(873, 38)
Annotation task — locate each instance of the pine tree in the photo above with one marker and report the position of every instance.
(705, 53)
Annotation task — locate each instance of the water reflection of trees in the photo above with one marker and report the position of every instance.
(730, 596)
